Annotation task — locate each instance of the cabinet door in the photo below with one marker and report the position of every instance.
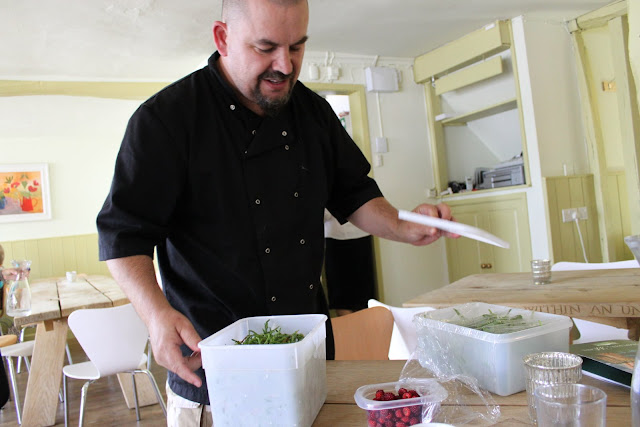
(504, 216)
(467, 256)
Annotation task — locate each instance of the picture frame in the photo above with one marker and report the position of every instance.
(24, 192)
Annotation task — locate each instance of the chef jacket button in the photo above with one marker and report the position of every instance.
(273, 299)
(302, 242)
(284, 133)
(258, 201)
(232, 107)
(267, 251)
(286, 147)
(253, 132)
(295, 194)
(311, 286)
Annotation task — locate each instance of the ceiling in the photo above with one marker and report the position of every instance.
(165, 39)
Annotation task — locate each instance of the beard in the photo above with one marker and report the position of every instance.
(271, 106)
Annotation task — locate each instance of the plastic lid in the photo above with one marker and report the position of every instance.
(429, 389)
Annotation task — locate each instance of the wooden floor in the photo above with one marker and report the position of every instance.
(105, 403)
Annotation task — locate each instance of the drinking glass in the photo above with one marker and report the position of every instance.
(541, 271)
(549, 368)
(571, 405)
(19, 293)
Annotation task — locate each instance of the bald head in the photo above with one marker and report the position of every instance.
(232, 9)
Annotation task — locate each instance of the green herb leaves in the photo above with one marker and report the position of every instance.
(495, 323)
(270, 336)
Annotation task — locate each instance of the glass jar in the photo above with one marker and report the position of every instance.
(19, 293)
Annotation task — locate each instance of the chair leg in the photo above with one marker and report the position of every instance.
(135, 394)
(156, 389)
(83, 399)
(69, 354)
(14, 388)
(66, 401)
(20, 358)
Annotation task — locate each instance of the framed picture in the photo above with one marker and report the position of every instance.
(24, 192)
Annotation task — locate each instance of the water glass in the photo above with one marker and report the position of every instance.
(549, 368)
(541, 271)
(571, 405)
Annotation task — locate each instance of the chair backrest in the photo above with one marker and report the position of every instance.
(404, 337)
(113, 338)
(363, 335)
(567, 265)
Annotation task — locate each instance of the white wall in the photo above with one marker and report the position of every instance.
(405, 174)
(552, 116)
(78, 137)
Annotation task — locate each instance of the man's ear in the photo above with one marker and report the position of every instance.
(220, 37)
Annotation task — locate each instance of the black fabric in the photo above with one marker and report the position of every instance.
(4, 384)
(349, 271)
(236, 215)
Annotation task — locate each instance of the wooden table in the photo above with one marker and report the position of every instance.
(344, 377)
(53, 300)
(611, 297)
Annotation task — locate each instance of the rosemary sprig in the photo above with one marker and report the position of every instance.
(270, 336)
(497, 323)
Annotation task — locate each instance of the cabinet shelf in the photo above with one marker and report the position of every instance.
(501, 107)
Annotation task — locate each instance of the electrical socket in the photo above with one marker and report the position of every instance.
(572, 214)
(569, 215)
(582, 213)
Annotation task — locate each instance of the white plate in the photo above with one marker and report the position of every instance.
(453, 227)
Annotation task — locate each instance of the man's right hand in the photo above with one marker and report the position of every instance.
(168, 330)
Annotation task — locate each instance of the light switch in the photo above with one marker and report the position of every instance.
(381, 144)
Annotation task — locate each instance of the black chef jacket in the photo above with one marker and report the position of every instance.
(234, 203)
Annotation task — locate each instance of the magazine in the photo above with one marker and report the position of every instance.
(611, 360)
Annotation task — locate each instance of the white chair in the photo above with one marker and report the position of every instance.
(114, 340)
(18, 349)
(593, 331)
(403, 336)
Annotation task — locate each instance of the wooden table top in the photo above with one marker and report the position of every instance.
(345, 376)
(56, 298)
(584, 293)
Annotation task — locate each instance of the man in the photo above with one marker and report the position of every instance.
(227, 173)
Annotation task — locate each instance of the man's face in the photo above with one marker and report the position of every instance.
(262, 52)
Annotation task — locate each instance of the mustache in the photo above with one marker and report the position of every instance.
(275, 75)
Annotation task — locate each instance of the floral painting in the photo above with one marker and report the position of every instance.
(24, 192)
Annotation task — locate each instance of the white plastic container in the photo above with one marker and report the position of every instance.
(266, 384)
(495, 360)
(426, 406)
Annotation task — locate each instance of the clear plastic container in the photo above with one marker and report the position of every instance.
(494, 359)
(266, 384)
(415, 410)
